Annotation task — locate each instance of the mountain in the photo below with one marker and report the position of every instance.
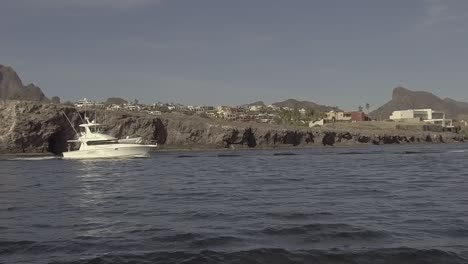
(403, 99)
(12, 88)
(457, 103)
(293, 103)
(258, 103)
(115, 101)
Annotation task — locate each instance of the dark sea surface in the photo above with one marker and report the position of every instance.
(376, 204)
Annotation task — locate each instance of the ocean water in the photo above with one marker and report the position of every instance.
(376, 204)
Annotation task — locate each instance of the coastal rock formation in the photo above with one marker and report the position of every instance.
(30, 127)
(403, 98)
(11, 87)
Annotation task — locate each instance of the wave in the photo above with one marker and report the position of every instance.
(12, 208)
(410, 152)
(186, 156)
(146, 231)
(281, 256)
(7, 247)
(285, 154)
(25, 247)
(216, 241)
(358, 153)
(297, 215)
(228, 155)
(40, 158)
(458, 151)
(320, 232)
(177, 238)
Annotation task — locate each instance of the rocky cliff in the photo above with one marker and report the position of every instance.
(11, 87)
(33, 127)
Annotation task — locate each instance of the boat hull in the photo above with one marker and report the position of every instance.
(111, 151)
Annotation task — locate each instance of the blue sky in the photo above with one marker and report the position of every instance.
(334, 52)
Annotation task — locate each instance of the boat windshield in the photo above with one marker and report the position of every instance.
(96, 129)
(101, 142)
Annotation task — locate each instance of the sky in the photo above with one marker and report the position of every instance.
(342, 53)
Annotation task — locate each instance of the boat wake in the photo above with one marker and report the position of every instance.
(32, 158)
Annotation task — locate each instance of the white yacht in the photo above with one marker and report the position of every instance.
(94, 144)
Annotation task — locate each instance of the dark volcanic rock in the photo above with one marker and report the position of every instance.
(249, 138)
(329, 139)
(363, 139)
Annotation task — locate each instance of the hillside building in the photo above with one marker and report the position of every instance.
(425, 115)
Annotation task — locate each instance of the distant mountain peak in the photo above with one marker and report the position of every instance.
(257, 103)
(11, 87)
(294, 103)
(403, 99)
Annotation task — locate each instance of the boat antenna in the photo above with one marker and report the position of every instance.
(85, 106)
(71, 124)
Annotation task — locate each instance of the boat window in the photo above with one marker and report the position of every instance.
(101, 142)
(97, 129)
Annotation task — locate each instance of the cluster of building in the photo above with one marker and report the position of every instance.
(238, 113)
(270, 113)
(261, 114)
(340, 116)
(427, 116)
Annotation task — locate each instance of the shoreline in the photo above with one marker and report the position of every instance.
(35, 129)
(213, 149)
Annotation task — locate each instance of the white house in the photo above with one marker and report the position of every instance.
(426, 115)
(255, 108)
(337, 116)
(132, 107)
(274, 108)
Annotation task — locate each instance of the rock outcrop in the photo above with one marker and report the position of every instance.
(11, 87)
(33, 127)
(403, 99)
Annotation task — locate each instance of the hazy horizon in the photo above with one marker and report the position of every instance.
(333, 52)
